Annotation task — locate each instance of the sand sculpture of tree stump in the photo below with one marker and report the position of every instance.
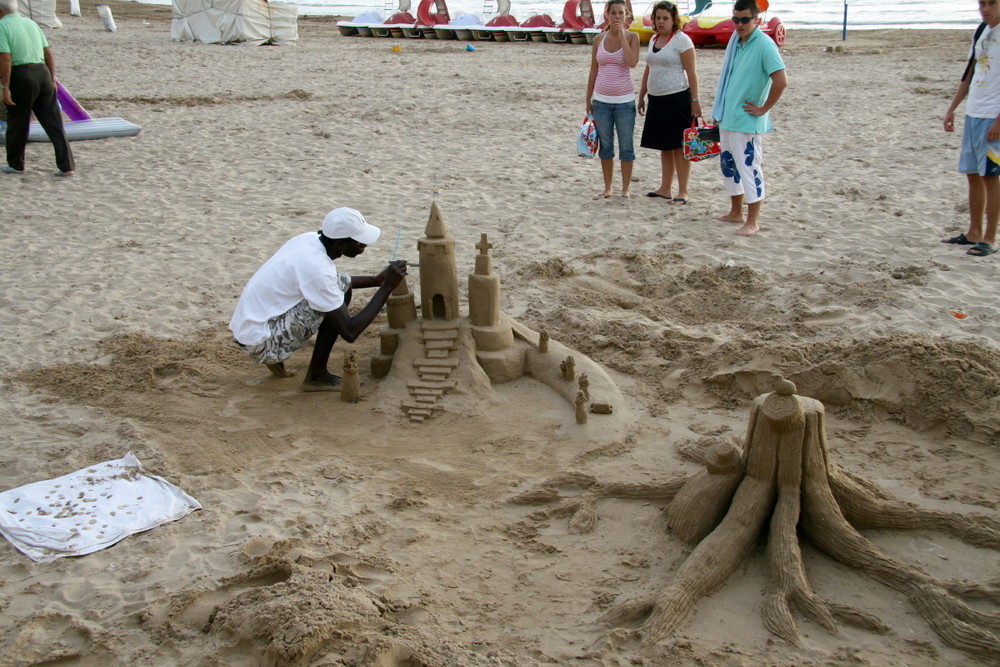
(784, 480)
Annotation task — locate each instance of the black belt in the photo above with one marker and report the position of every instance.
(27, 65)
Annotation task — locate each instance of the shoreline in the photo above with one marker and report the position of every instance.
(315, 13)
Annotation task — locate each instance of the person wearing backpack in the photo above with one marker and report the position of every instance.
(979, 158)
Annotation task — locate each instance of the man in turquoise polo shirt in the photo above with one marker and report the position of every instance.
(752, 80)
(28, 78)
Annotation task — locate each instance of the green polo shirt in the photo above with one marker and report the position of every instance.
(750, 79)
(22, 39)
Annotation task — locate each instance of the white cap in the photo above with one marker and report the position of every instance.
(348, 223)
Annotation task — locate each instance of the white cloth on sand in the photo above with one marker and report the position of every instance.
(89, 509)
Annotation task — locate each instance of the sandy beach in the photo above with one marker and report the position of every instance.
(338, 533)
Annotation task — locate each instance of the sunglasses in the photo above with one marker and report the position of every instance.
(742, 19)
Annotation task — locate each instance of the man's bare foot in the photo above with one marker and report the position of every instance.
(603, 195)
(279, 370)
(747, 230)
(326, 381)
(729, 217)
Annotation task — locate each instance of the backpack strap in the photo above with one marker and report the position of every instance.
(972, 59)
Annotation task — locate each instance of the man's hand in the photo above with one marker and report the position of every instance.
(993, 134)
(754, 109)
(394, 273)
(7, 99)
(949, 121)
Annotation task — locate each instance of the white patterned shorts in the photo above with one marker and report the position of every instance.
(288, 332)
(741, 160)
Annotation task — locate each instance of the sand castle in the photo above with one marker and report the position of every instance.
(443, 354)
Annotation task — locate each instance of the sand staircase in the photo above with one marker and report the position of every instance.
(434, 370)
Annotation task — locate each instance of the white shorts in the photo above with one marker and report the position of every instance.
(741, 157)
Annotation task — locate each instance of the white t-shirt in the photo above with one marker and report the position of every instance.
(300, 270)
(984, 90)
(666, 73)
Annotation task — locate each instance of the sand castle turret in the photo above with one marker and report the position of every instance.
(401, 309)
(401, 306)
(438, 275)
(490, 332)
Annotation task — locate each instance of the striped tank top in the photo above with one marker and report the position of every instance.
(614, 77)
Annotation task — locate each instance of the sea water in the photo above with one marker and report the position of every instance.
(819, 14)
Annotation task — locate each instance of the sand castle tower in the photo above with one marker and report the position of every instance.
(447, 360)
(438, 275)
(401, 309)
(491, 329)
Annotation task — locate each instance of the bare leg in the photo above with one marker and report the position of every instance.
(318, 378)
(683, 169)
(991, 186)
(626, 178)
(977, 207)
(750, 227)
(735, 210)
(666, 175)
(608, 171)
(279, 370)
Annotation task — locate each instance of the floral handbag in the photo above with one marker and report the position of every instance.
(701, 142)
(586, 143)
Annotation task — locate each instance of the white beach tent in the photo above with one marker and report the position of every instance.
(42, 12)
(226, 21)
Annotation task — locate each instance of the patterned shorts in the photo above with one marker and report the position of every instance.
(742, 171)
(288, 332)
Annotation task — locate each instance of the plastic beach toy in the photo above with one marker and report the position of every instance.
(470, 47)
(396, 48)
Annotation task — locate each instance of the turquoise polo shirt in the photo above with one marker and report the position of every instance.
(750, 79)
(22, 39)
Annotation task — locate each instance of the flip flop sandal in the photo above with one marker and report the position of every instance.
(981, 249)
(958, 240)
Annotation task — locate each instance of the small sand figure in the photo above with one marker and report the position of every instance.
(350, 385)
(584, 384)
(543, 341)
(581, 408)
(568, 368)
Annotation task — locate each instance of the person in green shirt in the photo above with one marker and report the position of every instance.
(28, 80)
(752, 80)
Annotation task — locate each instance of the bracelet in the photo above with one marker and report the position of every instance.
(695, 99)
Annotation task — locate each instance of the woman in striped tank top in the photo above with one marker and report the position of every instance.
(611, 94)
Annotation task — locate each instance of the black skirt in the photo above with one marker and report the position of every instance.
(667, 116)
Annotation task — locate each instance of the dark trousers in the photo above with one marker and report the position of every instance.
(32, 91)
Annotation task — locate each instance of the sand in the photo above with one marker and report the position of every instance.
(342, 534)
